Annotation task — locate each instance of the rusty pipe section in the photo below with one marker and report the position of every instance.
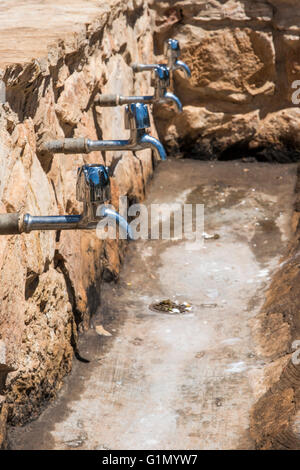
(119, 100)
(92, 188)
(79, 145)
(11, 224)
(172, 51)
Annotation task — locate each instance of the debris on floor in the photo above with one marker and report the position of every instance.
(100, 330)
(168, 306)
(208, 236)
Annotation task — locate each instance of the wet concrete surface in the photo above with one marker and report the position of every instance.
(179, 381)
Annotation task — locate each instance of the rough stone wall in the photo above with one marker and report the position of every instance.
(50, 281)
(244, 56)
(274, 422)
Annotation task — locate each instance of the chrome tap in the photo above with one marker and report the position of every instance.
(172, 51)
(93, 189)
(136, 120)
(161, 82)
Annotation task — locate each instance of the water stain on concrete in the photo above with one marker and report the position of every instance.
(179, 381)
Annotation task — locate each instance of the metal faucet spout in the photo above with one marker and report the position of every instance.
(171, 97)
(147, 141)
(179, 64)
(115, 216)
(172, 51)
(92, 189)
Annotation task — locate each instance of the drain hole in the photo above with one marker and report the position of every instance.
(170, 307)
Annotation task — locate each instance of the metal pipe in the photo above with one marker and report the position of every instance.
(104, 145)
(143, 67)
(17, 223)
(66, 146)
(82, 145)
(177, 65)
(117, 100)
(92, 188)
(161, 83)
(139, 141)
(50, 222)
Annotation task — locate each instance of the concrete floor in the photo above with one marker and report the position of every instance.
(179, 381)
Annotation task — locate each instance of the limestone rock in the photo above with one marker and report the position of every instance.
(45, 349)
(216, 10)
(244, 57)
(241, 73)
(51, 281)
(286, 15)
(200, 133)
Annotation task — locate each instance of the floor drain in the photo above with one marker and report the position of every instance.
(170, 307)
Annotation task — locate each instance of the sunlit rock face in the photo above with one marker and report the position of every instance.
(244, 58)
(51, 282)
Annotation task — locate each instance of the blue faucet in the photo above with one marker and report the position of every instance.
(161, 83)
(136, 120)
(172, 51)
